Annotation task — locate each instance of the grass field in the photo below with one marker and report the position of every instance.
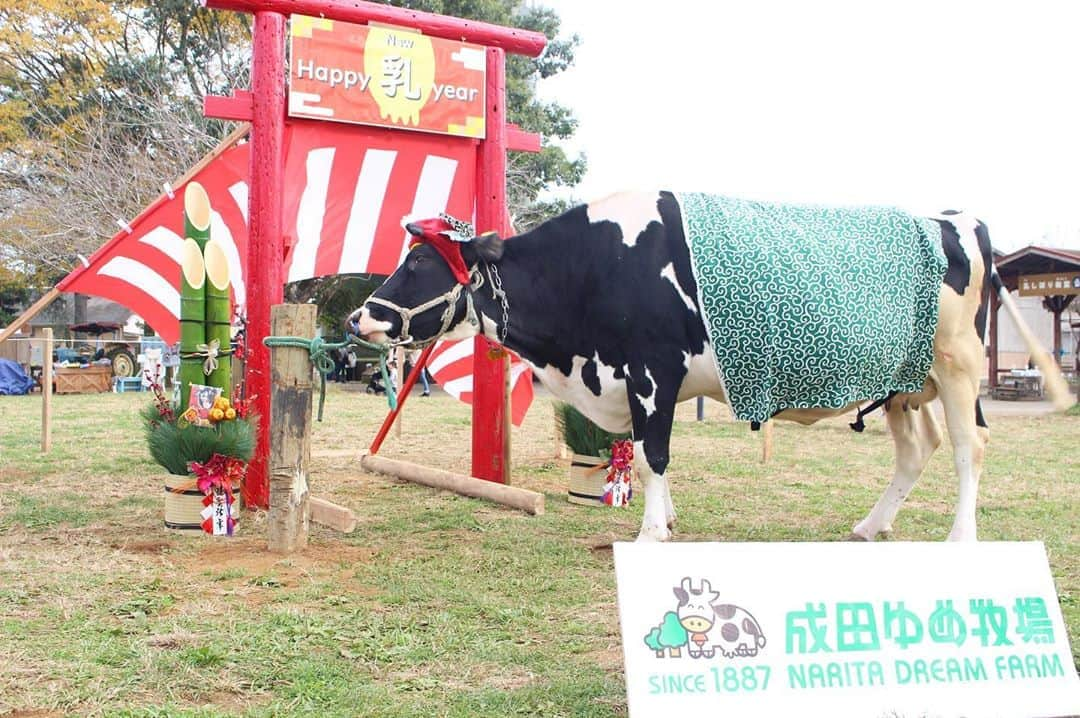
(436, 605)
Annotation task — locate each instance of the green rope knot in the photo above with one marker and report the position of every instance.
(319, 351)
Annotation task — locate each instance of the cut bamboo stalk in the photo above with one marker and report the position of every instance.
(332, 515)
(218, 314)
(192, 317)
(512, 496)
(193, 288)
(196, 213)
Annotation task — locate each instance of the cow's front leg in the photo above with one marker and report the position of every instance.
(669, 507)
(652, 409)
(654, 519)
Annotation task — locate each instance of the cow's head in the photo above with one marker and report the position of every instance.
(695, 609)
(429, 296)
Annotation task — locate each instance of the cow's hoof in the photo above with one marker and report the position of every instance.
(671, 523)
(863, 531)
(649, 534)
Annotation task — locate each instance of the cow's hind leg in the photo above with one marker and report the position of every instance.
(652, 410)
(958, 390)
(916, 435)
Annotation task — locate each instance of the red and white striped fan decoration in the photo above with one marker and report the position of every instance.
(346, 193)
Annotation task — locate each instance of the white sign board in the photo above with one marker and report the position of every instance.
(843, 629)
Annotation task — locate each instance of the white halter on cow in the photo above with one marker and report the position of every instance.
(606, 308)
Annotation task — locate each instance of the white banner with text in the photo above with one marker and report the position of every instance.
(902, 630)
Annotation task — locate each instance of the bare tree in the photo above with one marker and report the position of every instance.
(71, 198)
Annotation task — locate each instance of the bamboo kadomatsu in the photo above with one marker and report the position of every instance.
(192, 317)
(193, 288)
(218, 314)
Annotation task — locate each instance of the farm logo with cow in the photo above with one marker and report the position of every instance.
(704, 626)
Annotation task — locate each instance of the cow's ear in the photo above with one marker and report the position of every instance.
(488, 247)
(682, 595)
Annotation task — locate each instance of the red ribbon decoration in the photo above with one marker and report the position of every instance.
(218, 474)
(618, 490)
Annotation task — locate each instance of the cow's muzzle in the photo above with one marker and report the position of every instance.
(362, 324)
(450, 298)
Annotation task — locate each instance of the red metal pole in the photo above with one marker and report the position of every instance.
(513, 40)
(491, 415)
(265, 281)
(410, 381)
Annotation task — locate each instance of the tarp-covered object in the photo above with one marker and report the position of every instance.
(811, 306)
(13, 380)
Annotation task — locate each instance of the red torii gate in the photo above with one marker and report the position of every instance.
(265, 107)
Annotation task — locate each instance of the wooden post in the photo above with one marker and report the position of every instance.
(46, 390)
(995, 304)
(290, 428)
(1058, 355)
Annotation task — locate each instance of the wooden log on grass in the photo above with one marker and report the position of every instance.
(512, 496)
(290, 428)
(332, 515)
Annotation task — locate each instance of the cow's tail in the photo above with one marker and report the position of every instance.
(1053, 381)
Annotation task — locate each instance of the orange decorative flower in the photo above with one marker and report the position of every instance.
(230, 413)
(217, 414)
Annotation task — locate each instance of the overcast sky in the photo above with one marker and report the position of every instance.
(924, 105)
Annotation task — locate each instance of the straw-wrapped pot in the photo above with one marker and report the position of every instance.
(183, 509)
(588, 474)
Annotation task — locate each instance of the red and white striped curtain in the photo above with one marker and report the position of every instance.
(346, 192)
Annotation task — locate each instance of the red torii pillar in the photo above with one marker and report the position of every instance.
(265, 108)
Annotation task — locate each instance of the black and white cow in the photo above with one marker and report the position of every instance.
(601, 302)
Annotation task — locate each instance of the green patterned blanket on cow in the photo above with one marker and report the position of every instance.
(810, 306)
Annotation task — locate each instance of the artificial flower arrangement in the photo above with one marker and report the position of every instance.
(211, 449)
(603, 462)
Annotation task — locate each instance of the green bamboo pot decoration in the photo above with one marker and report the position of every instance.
(193, 289)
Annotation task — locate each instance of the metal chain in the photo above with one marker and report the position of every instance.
(498, 293)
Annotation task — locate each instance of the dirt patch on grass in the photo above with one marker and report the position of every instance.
(242, 569)
(251, 556)
(608, 659)
(172, 641)
(153, 548)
